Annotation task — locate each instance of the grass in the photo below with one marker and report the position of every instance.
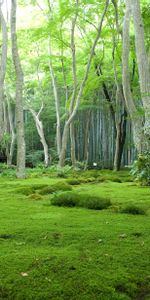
(57, 253)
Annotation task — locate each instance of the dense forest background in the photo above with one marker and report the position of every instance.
(75, 84)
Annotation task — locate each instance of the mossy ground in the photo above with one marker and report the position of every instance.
(50, 252)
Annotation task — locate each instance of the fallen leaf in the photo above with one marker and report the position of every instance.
(24, 274)
(123, 235)
(100, 241)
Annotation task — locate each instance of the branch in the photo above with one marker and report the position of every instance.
(88, 65)
(42, 106)
(73, 49)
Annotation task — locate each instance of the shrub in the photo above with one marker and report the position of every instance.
(68, 199)
(59, 186)
(6, 171)
(34, 158)
(64, 172)
(71, 199)
(73, 181)
(133, 210)
(141, 168)
(93, 202)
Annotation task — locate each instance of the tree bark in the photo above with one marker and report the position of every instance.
(121, 121)
(73, 49)
(120, 111)
(86, 139)
(19, 96)
(73, 144)
(57, 102)
(142, 62)
(10, 149)
(136, 119)
(3, 62)
(40, 130)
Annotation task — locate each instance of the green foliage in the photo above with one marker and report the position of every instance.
(141, 168)
(34, 158)
(6, 140)
(59, 186)
(71, 199)
(64, 172)
(6, 171)
(133, 210)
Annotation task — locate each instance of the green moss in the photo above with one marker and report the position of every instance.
(93, 202)
(133, 210)
(25, 190)
(86, 179)
(35, 196)
(109, 178)
(73, 181)
(59, 186)
(72, 199)
(74, 253)
(68, 199)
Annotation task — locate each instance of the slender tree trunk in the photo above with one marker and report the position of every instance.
(49, 17)
(3, 62)
(86, 139)
(142, 62)
(64, 145)
(11, 146)
(136, 119)
(57, 102)
(73, 50)
(19, 92)
(107, 96)
(121, 121)
(79, 95)
(73, 144)
(40, 130)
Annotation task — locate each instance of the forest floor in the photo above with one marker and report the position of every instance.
(49, 252)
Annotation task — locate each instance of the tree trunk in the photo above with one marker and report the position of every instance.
(136, 119)
(73, 145)
(64, 145)
(39, 126)
(121, 121)
(11, 146)
(19, 100)
(57, 102)
(142, 62)
(3, 62)
(86, 139)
